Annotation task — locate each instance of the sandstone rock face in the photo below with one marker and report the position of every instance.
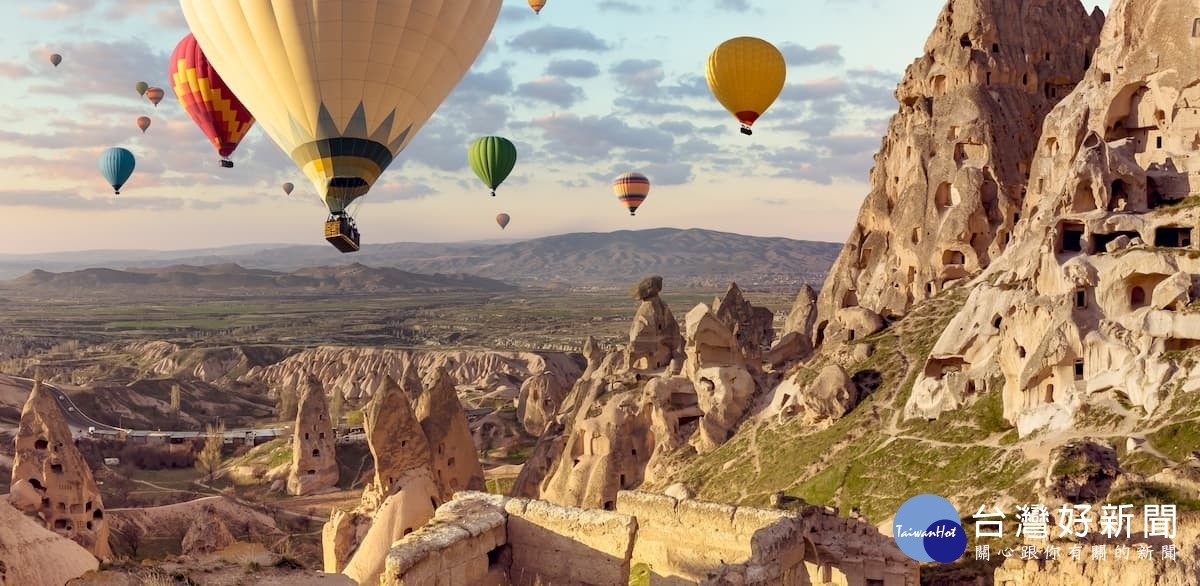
(51, 478)
(1082, 471)
(950, 178)
(539, 400)
(832, 395)
(753, 327)
(395, 438)
(30, 554)
(314, 466)
(796, 339)
(654, 339)
(356, 372)
(455, 463)
(399, 515)
(1063, 318)
(207, 534)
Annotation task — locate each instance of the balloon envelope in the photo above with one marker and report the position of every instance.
(116, 164)
(287, 188)
(746, 74)
(206, 98)
(155, 95)
(143, 122)
(141, 87)
(537, 5)
(502, 219)
(631, 190)
(492, 158)
(55, 59)
(342, 87)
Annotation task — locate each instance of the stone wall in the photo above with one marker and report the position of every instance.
(479, 538)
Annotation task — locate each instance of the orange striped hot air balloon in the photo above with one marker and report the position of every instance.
(155, 95)
(207, 99)
(537, 5)
(631, 189)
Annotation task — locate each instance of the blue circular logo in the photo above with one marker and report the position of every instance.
(927, 529)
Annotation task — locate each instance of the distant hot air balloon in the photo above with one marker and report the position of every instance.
(141, 87)
(116, 164)
(631, 189)
(537, 5)
(155, 95)
(143, 122)
(287, 188)
(342, 109)
(746, 74)
(502, 219)
(55, 59)
(210, 103)
(492, 158)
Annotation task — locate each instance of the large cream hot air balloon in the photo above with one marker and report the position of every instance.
(341, 87)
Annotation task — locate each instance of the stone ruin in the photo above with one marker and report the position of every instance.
(51, 481)
(314, 465)
(483, 539)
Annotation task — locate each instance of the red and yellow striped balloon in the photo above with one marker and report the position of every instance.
(210, 103)
(631, 189)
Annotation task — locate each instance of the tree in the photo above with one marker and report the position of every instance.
(176, 399)
(209, 460)
(336, 405)
(131, 536)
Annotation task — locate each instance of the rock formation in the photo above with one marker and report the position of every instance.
(654, 339)
(796, 341)
(618, 423)
(539, 400)
(1087, 305)
(206, 534)
(950, 178)
(314, 465)
(452, 449)
(753, 327)
(30, 554)
(50, 479)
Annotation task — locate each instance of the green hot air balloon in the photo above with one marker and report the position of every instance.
(141, 87)
(492, 158)
(116, 164)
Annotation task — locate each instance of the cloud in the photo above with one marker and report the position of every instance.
(60, 9)
(799, 55)
(94, 68)
(399, 190)
(639, 76)
(620, 6)
(74, 201)
(591, 137)
(578, 68)
(553, 90)
(732, 5)
(513, 13)
(557, 38)
(843, 156)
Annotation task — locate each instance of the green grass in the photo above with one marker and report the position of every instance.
(1177, 441)
(501, 486)
(639, 575)
(1152, 493)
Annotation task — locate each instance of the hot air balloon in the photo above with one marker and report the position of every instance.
(502, 219)
(55, 59)
(116, 164)
(492, 158)
(631, 189)
(537, 5)
(143, 122)
(287, 188)
(342, 109)
(141, 87)
(746, 74)
(155, 95)
(206, 98)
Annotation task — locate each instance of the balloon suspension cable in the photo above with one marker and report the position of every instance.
(746, 130)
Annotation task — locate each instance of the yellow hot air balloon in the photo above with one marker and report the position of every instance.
(341, 87)
(746, 74)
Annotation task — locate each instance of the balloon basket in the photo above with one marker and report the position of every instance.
(226, 163)
(342, 234)
(746, 130)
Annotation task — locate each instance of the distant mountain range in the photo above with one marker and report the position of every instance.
(683, 257)
(234, 279)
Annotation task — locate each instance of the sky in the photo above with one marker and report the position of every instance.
(586, 90)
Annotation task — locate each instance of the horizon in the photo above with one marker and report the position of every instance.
(581, 96)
